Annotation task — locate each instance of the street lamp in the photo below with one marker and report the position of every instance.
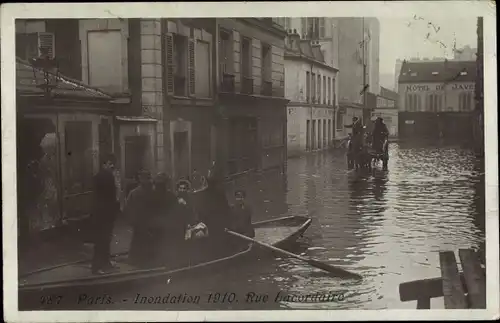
(50, 69)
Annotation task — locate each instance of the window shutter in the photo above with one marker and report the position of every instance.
(191, 66)
(46, 42)
(169, 46)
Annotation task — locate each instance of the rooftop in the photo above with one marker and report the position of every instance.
(388, 94)
(444, 71)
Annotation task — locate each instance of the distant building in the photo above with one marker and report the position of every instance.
(436, 99)
(465, 54)
(388, 110)
(310, 87)
(344, 43)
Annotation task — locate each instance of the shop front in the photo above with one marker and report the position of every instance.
(253, 133)
(60, 140)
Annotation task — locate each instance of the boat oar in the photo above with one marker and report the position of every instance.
(313, 262)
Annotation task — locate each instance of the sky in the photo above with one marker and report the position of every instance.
(406, 38)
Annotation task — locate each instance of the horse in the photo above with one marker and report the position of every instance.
(381, 154)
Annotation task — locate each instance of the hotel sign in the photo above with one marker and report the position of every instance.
(440, 87)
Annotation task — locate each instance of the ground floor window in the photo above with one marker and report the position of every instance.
(308, 135)
(38, 174)
(339, 124)
(56, 164)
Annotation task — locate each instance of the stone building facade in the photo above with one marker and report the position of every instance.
(436, 99)
(310, 86)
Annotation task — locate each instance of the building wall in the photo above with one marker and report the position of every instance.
(374, 55)
(254, 121)
(240, 29)
(449, 95)
(350, 55)
(301, 114)
(319, 136)
(390, 117)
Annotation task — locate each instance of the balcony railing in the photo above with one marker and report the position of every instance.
(247, 85)
(267, 88)
(227, 84)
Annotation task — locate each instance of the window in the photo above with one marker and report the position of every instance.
(321, 27)
(202, 71)
(313, 90)
(266, 62)
(329, 90)
(308, 87)
(434, 102)
(329, 132)
(324, 134)
(412, 102)
(334, 98)
(105, 68)
(246, 57)
(465, 101)
(324, 89)
(303, 25)
(78, 157)
(313, 27)
(308, 135)
(225, 52)
(318, 96)
(180, 65)
(339, 121)
(37, 171)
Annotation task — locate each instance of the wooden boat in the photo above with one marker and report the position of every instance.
(278, 232)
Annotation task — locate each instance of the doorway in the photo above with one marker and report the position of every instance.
(181, 154)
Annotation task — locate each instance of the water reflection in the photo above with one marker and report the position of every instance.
(385, 225)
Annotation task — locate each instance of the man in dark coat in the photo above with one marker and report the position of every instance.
(215, 212)
(242, 216)
(140, 210)
(106, 207)
(380, 133)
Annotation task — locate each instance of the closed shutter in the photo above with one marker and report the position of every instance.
(169, 45)
(46, 44)
(191, 66)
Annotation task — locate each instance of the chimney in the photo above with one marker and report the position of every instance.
(293, 40)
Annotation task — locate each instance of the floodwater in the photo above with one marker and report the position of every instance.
(387, 226)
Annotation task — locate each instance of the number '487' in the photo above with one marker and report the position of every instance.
(49, 300)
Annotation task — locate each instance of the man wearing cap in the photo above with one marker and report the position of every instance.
(105, 209)
(380, 133)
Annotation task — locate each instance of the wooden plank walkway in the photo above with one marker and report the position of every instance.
(461, 290)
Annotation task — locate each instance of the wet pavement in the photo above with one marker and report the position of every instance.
(385, 225)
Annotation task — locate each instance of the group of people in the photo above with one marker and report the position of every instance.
(165, 223)
(378, 135)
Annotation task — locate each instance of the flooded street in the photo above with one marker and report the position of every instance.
(386, 226)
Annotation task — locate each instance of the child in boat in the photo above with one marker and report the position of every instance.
(241, 221)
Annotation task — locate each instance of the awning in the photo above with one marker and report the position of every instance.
(27, 79)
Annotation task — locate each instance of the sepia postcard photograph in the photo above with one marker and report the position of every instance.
(249, 161)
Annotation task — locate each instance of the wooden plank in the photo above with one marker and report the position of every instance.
(474, 278)
(454, 295)
(423, 288)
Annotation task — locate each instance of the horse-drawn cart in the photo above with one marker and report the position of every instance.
(365, 156)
